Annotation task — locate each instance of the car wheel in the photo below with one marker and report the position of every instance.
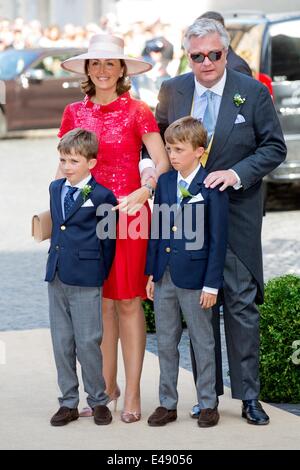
(3, 126)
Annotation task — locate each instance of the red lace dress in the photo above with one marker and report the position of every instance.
(119, 126)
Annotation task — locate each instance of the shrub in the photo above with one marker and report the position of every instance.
(279, 329)
(149, 315)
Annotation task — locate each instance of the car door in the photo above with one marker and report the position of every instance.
(47, 88)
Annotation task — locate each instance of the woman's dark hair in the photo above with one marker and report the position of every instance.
(123, 84)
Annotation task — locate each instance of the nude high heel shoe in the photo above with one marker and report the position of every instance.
(86, 412)
(113, 398)
(130, 416)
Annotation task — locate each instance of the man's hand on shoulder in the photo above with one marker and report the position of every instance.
(224, 177)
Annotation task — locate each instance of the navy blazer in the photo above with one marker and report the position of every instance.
(78, 256)
(196, 266)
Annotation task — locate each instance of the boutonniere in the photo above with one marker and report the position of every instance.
(184, 192)
(238, 99)
(86, 191)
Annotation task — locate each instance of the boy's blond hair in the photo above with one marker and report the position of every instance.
(186, 129)
(79, 141)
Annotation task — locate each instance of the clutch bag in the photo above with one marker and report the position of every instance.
(41, 226)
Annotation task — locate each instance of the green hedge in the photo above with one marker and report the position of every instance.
(279, 329)
(149, 314)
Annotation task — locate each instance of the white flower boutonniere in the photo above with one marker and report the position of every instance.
(238, 99)
(86, 191)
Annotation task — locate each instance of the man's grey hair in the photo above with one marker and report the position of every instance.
(202, 27)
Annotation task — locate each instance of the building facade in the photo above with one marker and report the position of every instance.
(60, 12)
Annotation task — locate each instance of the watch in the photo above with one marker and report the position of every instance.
(150, 189)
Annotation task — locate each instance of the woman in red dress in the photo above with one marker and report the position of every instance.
(122, 125)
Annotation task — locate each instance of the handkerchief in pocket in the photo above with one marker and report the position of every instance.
(88, 203)
(239, 119)
(197, 198)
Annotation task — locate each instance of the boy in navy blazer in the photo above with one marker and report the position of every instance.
(80, 257)
(185, 262)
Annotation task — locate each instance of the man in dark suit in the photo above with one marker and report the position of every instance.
(234, 61)
(246, 143)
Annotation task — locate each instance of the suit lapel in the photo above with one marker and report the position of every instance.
(79, 201)
(227, 116)
(184, 96)
(57, 198)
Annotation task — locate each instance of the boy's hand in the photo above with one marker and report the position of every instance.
(150, 288)
(207, 300)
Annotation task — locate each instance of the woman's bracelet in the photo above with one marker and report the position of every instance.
(150, 189)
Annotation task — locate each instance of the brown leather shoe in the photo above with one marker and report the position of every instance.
(208, 417)
(162, 416)
(64, 416)
(102, 415)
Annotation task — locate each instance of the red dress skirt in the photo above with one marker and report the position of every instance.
(119, 126)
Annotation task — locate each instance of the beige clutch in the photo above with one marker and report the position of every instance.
(41, 226)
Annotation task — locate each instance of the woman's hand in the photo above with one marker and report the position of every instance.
(132, 203)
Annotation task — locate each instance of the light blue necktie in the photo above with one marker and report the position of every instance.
(69, 199)
(209, 118)
(183, 184)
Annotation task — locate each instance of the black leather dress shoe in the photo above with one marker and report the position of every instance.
(254, 413)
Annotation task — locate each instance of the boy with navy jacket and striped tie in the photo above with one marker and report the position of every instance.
(80, 258)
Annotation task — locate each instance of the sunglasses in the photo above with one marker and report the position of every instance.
(213, 56)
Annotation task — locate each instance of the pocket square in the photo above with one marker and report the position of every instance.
(198, 197)
(88, 203)
(239, 119)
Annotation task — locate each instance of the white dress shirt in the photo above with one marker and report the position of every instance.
(79, 187)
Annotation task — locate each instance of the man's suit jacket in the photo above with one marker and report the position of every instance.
(252, 148)
(237, 63)
(78, 256)
(198, 266)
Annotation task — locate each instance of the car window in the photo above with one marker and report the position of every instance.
(246, 40)
(49, 67)
(285, 41)
(13, 62)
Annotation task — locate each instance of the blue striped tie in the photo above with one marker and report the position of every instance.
(69, 200)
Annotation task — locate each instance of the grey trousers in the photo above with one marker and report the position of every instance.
(76, 331)
(168, 299)
(241, 321)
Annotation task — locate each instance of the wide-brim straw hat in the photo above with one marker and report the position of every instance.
(106, 46)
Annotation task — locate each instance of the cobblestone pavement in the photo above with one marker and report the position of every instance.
(27, 167)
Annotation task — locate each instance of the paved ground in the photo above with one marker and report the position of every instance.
(27, 167)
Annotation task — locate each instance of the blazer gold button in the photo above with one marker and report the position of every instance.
(174, 228)
(168, 249)
(63, 227)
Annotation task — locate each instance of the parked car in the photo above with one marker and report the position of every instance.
(36, 88)
(271, 46)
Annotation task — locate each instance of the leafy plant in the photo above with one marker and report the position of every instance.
(279, 337)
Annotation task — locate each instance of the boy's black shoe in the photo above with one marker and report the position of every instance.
(64, 416)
